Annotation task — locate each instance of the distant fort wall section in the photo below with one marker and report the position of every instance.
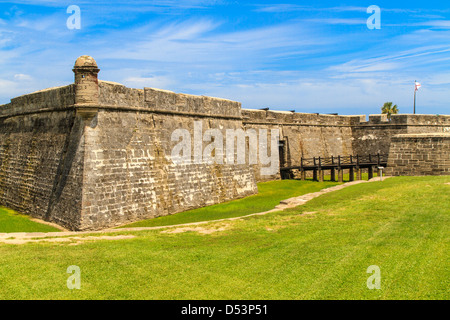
(303, 135)
(317, 135)
(374, 136)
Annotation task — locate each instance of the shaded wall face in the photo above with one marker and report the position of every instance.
(41, 167)
(374, 140)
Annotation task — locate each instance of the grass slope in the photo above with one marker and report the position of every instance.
(269, 195)
(11, 221)
(318, 251)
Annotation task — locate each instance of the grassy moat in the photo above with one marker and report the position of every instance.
(320, 250)
(11, 221)
(269, 195)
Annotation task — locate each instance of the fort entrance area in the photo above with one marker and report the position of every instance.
(96, 154)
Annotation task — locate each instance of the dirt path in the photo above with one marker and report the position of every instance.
(72, 236)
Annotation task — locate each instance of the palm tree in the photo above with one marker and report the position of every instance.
(389, 109)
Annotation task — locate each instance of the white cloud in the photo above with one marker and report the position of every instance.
(22, 77)
(435, 23)
(10, 89)
(282, 8)
(354, 96)
(293, 8)
(363, 67)
(339, 21)
(7, 86)
(152, 82)
(186, 30)
(198, 45)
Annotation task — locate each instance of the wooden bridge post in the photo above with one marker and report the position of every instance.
(333, 170)
(370, 169)
(315, 170)
(340, 171)
(358, 169)
(351, 171)
(320, 170)
(321, 175)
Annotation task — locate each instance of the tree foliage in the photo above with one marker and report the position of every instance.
(389, 109)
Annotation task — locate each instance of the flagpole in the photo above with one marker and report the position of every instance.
(414, 101)
(415, 96)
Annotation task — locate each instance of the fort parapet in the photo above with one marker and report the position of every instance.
(96, 154)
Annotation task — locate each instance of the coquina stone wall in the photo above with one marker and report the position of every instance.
(419, 154)
(303, 134)
(96, 154)
(100, 165)
(42, 156)
(316, 135)
(374, 136)
(128, 154)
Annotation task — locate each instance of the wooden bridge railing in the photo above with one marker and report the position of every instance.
(339, 163)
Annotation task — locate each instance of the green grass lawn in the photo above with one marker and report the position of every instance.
(317, 251)
(269, 195)
(11, 221)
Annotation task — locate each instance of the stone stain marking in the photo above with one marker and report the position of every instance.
(95, 154)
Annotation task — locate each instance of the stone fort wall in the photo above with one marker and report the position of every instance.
(42, 157)
(97, 154)
(95, 166)
(374, 136)
(313, 135)
(419, 154)
(304, 135)
(128, 155)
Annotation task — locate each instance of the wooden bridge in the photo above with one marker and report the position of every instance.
(354, 164)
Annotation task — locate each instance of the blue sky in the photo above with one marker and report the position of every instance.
(311, 56)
